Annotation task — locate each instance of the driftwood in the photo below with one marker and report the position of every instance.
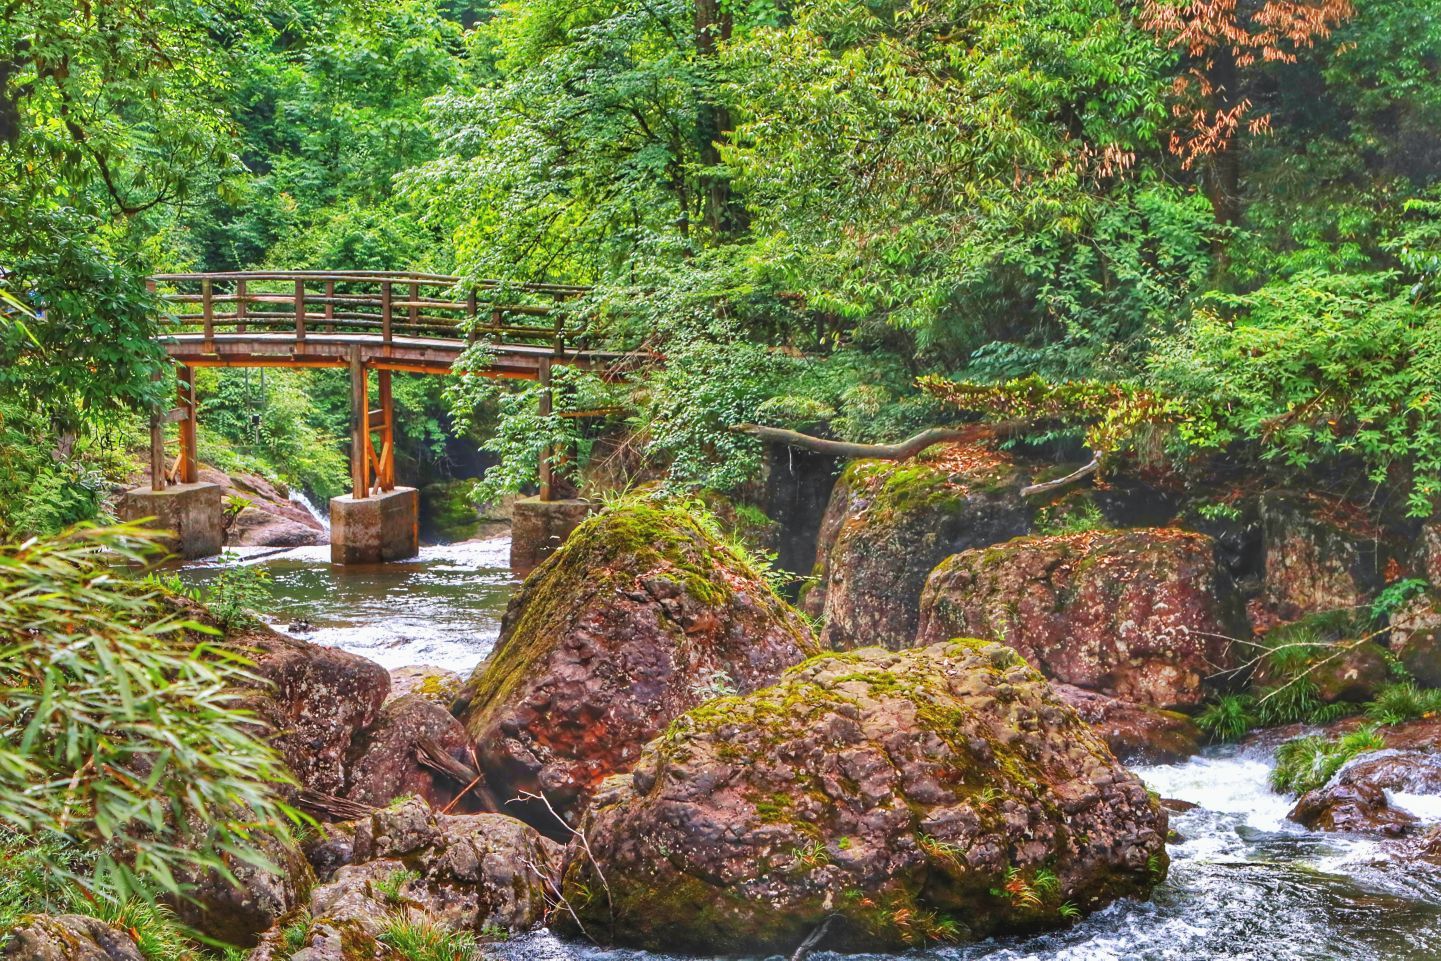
(430, 755)
(328, 807)
(904, 450)
(912, 446)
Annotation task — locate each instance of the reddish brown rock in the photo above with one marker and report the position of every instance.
(931, 795)
(1428, 552)
(270, 519)
(1320, 555)
(639, 617)
(385, 758)
(1416, 637)
(890, 523)
(313, 699)
(1355, 801)
(69, 937)
(1135, 733)
(237, 913)
(481, 872)
(1143, 615)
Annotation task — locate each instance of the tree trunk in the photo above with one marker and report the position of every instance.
(722, 214)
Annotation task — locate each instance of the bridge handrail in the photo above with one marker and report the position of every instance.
(407, 311)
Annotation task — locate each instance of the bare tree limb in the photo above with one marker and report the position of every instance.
(813, 940)
(1070, 478)
(904, 450)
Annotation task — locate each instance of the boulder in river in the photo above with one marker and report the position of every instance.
(1135, 733)
(313, 700)
(889, 523)
(1358, 798)
(269, 517)
(1145, 615)
(470, 872)
(941, 794)
(641, 615)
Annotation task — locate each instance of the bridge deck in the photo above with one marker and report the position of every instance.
(421, 355)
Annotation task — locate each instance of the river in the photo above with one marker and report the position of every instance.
(1245, 883)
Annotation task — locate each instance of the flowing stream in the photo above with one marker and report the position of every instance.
(1245, 884)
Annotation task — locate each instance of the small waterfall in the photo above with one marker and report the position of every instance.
(299, 497)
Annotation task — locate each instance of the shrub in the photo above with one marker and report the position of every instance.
(428, 941)
(237, 595)
(118, 723)
(1228, 718)
(1401, 702)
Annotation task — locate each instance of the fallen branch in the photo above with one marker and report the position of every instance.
(1070, 478)
(813, 940)
(904, 450)
(324, 806)
(429, 754)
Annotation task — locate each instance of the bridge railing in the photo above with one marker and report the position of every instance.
(387, 304)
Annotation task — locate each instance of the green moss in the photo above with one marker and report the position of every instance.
(640, 535)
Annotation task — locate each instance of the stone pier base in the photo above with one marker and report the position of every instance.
(538, 527)
(375, 529)
(192, 513)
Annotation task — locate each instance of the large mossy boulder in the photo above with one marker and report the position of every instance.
(69, 937)
(640, 616)
(1145, 615)
(889, 524)
(941, 794)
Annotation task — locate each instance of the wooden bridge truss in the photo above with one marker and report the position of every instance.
(362, 320)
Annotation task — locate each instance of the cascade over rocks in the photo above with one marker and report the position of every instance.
(466, 872)
(889, 523)
(938, 794)
(1143, 615)
(637, 618)
(1356, 799)
(271, 519)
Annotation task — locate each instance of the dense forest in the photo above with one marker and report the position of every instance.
(1228, 212)
(1161, 277)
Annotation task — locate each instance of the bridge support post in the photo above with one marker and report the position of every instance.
(538, 528)
(377, 521)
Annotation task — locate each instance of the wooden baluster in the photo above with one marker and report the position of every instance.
(470, 316)
(300, 311)
(414, 309)
(330, 306)
(207, 311)
(157, 443)
(240, 306)
(359, 427)
(189, 464)
(496, 317)
(385, 299)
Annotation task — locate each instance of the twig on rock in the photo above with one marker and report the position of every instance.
(813, 940)
(318, 804)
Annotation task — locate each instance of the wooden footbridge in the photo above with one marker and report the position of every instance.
(365, 321)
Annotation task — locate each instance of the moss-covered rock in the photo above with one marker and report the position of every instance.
(888, 524)
(69, 937)
(641, 615)
(1135, 733)
(930, 795)
(1416, 637)
(1144, 615)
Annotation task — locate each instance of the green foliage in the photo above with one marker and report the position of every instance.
(1307, 763)
(426, 940)
(1315, 367)
(1229, 717)
(129, 720)
(1395, 595)
(1403, 701)
(237, 595)
(391, 886)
